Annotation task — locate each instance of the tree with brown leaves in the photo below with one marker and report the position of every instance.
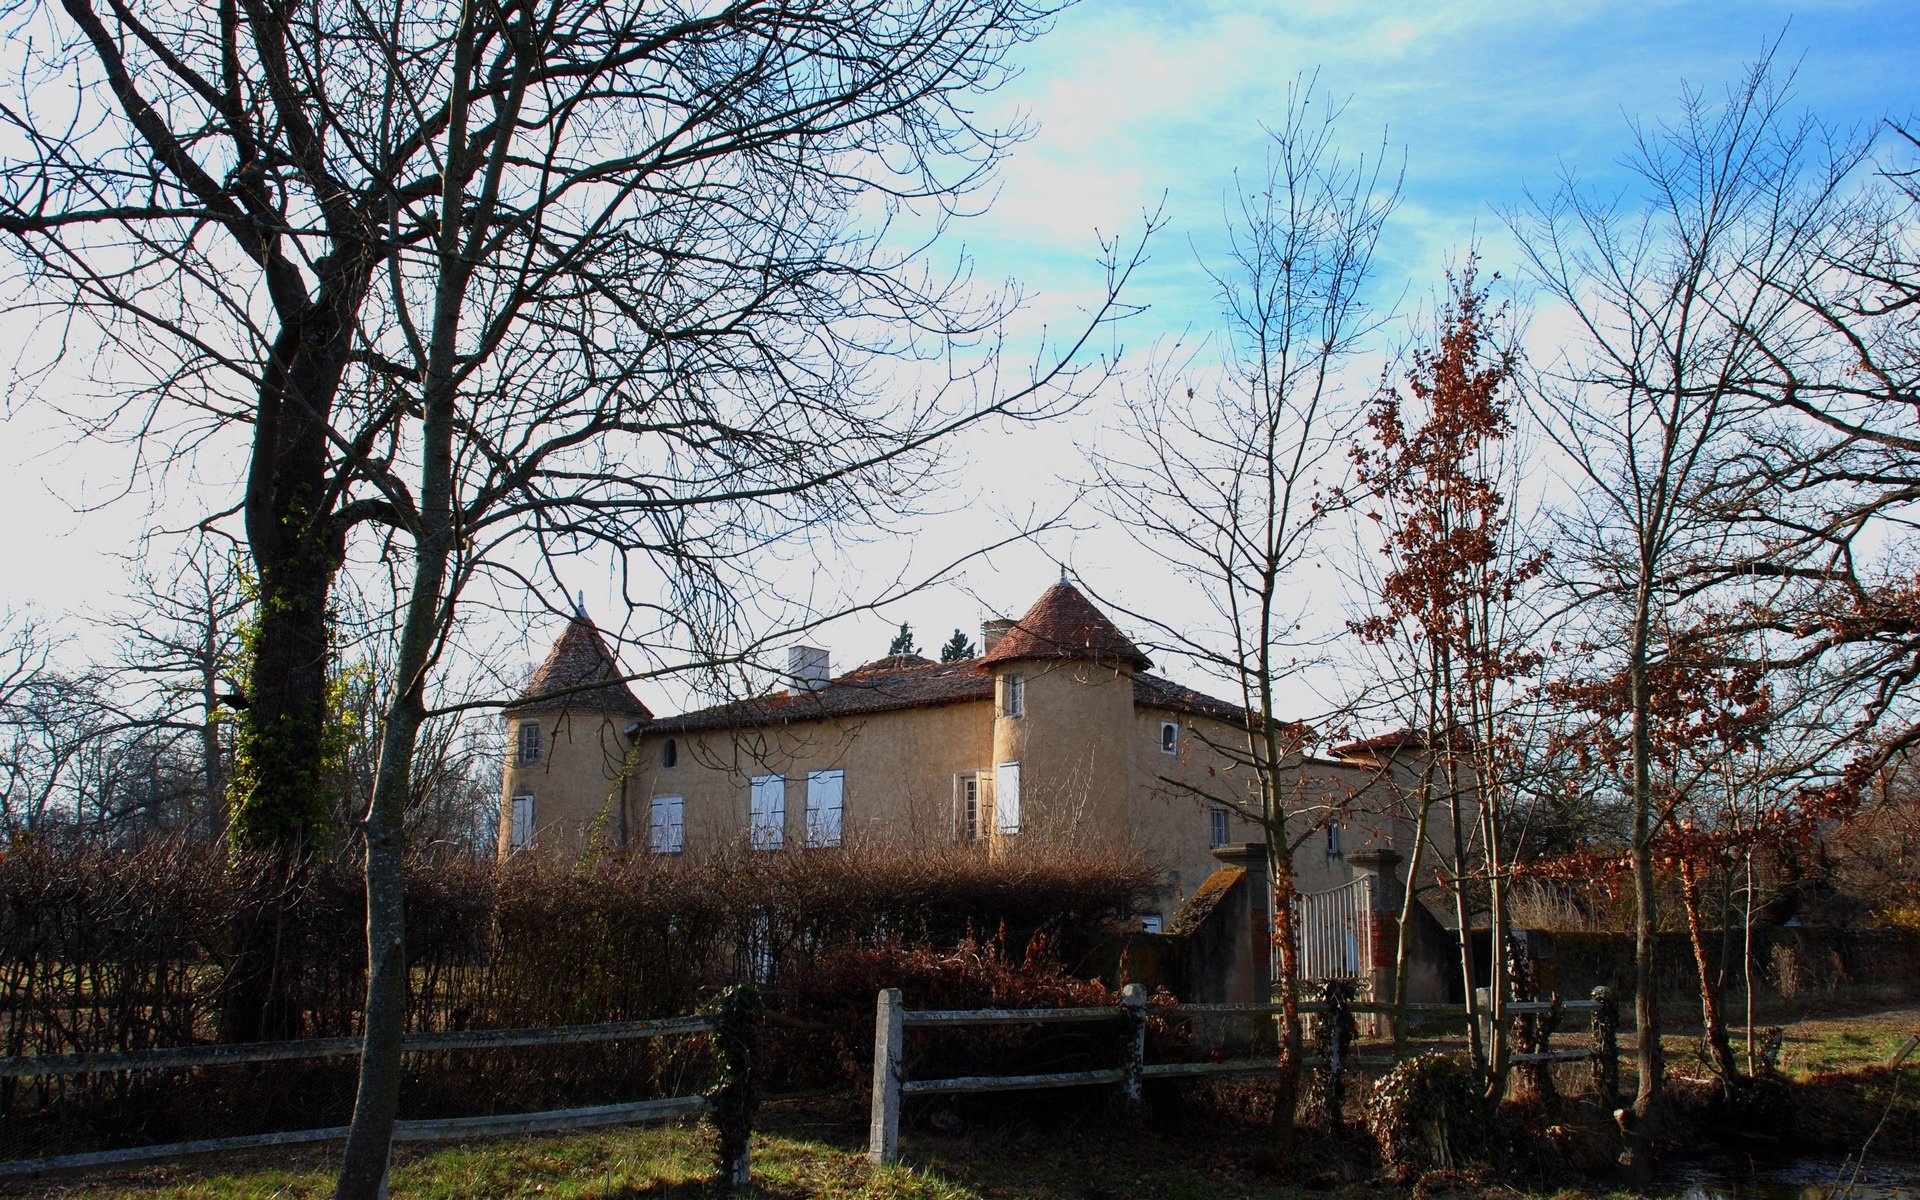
(1438, 466)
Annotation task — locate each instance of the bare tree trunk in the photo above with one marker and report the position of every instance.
(1713, 1021)
(277, 806)
(1463, 915)
(1650, 1061)
(363, 1169)
(1416, 861)
(212, 769)
(1746, 958)
(1292, 1042)
(1402, 962)
(1497, 937)
(364, 1165)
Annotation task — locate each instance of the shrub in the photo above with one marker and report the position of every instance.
(1428, 1113)
(106, 949)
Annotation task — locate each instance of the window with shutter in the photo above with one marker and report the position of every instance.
(767, 829)
(825, 795)
(1006, 798)
(966, 807)
(521, 834)
(666, 827)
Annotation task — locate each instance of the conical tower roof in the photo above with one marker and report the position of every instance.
(580, 672)
(1064, 624)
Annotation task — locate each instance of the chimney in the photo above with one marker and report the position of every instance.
(991, 632)
(808, 669)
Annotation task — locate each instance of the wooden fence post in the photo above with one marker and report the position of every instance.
(1606, 1046)
(1133, 1001)
(1340, 1028)
(889, 1032)
(736, 1037)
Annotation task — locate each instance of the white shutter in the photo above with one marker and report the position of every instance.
(666, 832)
(1006, 798)
(825, 792)
(521, 835)
(768, 829)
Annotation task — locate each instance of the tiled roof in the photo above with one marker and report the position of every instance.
(1397, 739)
(1155, 692)
(1064, 624)
(578, 662)
(871, 689)
(895, 661)
(876, 688)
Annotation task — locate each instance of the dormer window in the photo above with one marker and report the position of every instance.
(1013, 695)
(1169, 737)
(529, 741)
(669, 754)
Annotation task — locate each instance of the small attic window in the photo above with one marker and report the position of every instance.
(1169, 737)
(669, 754)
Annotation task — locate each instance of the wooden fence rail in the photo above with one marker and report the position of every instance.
(100, 1061)
(892, 1021)
(436, 1129)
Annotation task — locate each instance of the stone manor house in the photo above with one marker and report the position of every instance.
(1058, 732)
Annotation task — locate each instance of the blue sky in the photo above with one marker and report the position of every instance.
(1132, 102)
(1484, 100)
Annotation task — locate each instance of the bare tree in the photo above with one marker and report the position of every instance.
(598, 275)
(1647, 404)
(1843, 388)
(585, 275)
(243, 200)
(48, 717)
(180, 643)
(1229, 481)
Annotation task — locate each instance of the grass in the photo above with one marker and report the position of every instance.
(802, 1155)
(1812, 1045)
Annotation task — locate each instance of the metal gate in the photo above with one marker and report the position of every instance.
(1335, 931)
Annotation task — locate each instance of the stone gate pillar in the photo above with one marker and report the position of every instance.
(1249, 978)
(1380, 866)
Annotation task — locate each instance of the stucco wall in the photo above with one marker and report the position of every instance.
(900, 770)
(1092, 772)
(1167, 819)
(1071, 744)
(579, 769)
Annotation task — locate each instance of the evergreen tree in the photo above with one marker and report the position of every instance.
(903, 642)
(957, 648)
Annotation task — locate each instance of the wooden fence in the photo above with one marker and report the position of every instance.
(733, 1027)
(890, 1083)
(719, 1022)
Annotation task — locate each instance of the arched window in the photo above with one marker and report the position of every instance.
(669, 753)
